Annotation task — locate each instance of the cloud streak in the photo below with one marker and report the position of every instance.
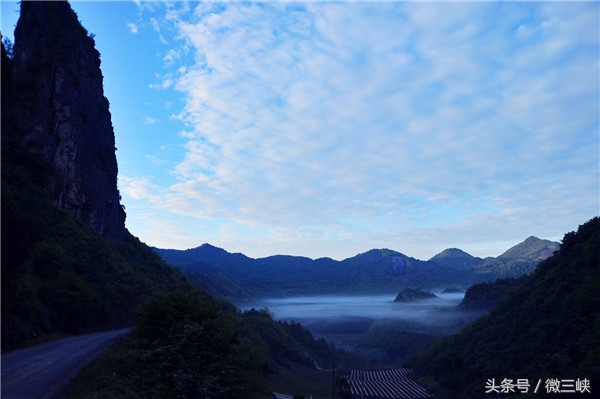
(392, 124)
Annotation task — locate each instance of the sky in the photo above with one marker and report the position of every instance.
(325, 129)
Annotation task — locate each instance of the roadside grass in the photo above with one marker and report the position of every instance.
(99, 379)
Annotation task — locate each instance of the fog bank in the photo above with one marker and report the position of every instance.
(349, 321)
(370, 306)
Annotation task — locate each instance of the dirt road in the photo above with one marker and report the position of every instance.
(45, 371)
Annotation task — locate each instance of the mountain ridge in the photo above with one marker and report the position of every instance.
(531, 247)
(376, 270)
(448, 252)
(521, 258)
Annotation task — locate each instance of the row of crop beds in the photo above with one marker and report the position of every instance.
(384, 384)
(380, 375)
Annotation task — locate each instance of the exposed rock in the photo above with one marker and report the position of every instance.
(60, 116)
(411, 295)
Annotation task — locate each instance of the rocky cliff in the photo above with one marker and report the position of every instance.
(56, 112)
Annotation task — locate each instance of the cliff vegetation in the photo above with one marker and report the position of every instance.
(545, 329)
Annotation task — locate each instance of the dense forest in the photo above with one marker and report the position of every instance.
(545, 329)
(485, 296)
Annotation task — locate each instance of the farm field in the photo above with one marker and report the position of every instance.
(384, 384)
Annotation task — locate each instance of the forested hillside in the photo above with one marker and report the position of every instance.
(518, 260)
(454, 257)
(238, 277)
(548, 328)
(188, 344)
(485, 296)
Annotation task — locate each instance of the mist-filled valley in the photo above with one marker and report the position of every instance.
(351, 303)
(386, 332)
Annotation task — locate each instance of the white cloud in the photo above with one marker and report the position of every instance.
(157, 28)
(132, 28)
(165, 82)
(396, 124)
(154, 160)
(171, 57)
(138, 188)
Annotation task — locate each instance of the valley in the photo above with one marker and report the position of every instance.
(324, 312)
(369, 324)
(351, 303)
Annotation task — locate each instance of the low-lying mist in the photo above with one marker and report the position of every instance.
(374, 323)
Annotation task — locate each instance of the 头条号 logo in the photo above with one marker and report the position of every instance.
(551, 385)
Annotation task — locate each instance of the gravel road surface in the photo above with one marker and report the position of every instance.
(45, 371)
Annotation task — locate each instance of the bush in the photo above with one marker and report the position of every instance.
(187, 344)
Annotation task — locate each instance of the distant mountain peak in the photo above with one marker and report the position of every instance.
(456, 252)
(533, 240)
(209, 246)
(383, 251)
(531, 248)
(454, 257)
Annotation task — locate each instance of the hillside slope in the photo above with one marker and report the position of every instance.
(188, 344)
(485, 296)
(547, 328)
(520, 259)
(514, 262)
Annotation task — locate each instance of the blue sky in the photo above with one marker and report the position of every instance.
(330, 128)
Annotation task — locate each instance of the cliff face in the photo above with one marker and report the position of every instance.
(59, 114)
